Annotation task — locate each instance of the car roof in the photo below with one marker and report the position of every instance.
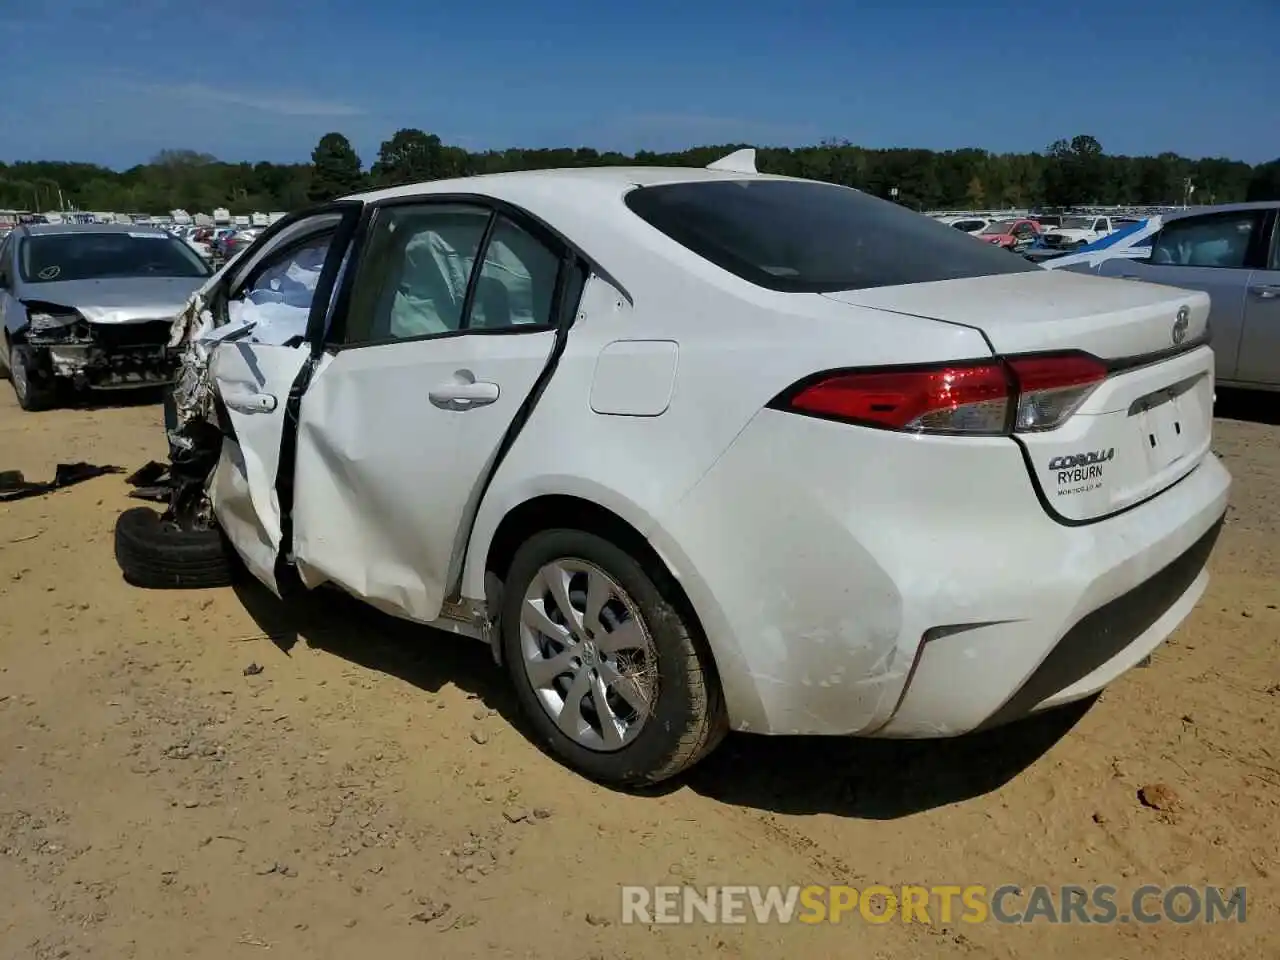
(583, 204)
(532, 183)
(1223, 208)
(45, 229)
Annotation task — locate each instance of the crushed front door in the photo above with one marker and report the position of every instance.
(260, 360)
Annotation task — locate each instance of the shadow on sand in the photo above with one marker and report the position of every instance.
(1254, 406)
(868, 779)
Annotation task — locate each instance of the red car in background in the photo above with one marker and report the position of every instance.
(1013, 235)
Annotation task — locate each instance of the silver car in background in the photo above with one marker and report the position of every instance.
(89, 306)
(1232, 253)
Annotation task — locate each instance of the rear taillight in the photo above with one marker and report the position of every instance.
(987, 398)
(1052, 387)
(958, 399)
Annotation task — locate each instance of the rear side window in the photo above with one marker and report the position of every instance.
(1215, 240)
(805, 237)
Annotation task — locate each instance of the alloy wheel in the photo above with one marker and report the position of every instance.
(588, 654)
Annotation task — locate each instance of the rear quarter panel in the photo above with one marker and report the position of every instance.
(738, 346)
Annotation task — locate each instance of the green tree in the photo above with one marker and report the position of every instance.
(975, 193)
(1265, 183)
(412, 156)
(335, 169)
(1075, 173)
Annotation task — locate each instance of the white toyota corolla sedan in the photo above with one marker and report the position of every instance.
(701, 449)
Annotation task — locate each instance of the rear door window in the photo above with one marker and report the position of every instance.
(418, 264)
(517, 280)
(1213, 240)
(800, 236)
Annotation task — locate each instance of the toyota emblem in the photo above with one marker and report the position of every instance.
(1180, 325)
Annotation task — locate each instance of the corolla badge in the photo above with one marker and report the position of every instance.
(1181, 325)
(1087, 459)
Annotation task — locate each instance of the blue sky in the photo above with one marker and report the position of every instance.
(114, 81)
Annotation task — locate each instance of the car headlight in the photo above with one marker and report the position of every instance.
(51, 321)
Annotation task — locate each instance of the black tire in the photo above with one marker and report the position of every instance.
(688, 720)
(35, 387)
(157, 554)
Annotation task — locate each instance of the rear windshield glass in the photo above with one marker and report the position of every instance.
(800, 236)
(58, 257)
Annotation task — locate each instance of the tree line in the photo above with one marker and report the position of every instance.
(1068, 173)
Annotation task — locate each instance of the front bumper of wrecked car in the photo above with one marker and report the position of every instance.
(108, 356)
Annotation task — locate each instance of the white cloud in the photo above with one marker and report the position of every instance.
(277, 102)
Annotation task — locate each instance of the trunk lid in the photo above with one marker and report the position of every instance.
(1139, 433)
(1142, 429)
(1051, 310)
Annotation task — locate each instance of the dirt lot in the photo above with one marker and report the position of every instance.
(371, 789)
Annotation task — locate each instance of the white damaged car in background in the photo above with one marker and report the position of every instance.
(699, 449)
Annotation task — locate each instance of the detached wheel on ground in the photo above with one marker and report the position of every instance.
(610, 673)
(156, 553)
(35, 388)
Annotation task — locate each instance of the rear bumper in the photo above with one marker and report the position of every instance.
(880, 584)
(1116, 636)
(962, 686)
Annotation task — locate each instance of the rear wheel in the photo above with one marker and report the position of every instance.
(33, 385)
(608, 670)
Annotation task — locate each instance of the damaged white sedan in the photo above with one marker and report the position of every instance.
(701, 449)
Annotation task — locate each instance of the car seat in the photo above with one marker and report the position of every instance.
(492, 308)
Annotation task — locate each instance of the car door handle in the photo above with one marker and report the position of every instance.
(464, 395)
(246, 401)
(1265, 291)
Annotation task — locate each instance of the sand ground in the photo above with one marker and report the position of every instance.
(371, 789)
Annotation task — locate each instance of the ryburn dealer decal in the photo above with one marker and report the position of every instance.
(1080, 472)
